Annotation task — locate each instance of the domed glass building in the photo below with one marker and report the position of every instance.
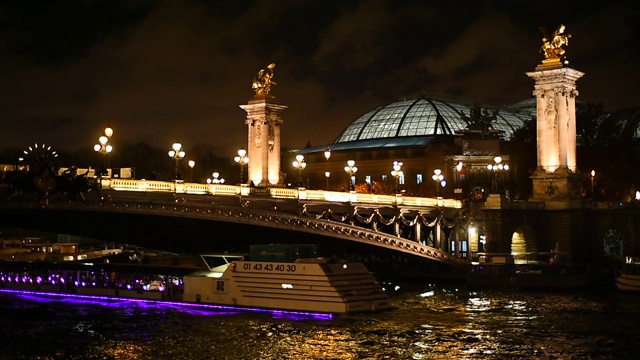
(420, 118)
(425, 135)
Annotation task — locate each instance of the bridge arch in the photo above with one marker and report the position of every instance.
(524, 244)
(615, 233)
(173, 216)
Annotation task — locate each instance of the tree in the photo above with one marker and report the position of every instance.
(522, 148)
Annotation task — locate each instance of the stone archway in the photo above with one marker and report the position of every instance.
(613, 243)
(613, 232)
(524, 245)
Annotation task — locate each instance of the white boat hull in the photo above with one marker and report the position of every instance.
(299, 286)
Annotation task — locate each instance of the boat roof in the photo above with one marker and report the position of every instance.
(214, 261)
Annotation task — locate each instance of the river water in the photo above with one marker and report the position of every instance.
(429, 322)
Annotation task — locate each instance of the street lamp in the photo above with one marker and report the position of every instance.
(458, 171)
(299, 164)
(497, 167)
(397, 173)
(216, 178)
(104, 148)
(327, 155)
(593, 174)
(177, 154)
(192, 163)
(351, 169)
(241, 159)
(439, 180)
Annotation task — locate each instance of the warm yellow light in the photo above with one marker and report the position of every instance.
(241, 158)
(397, 165)
(109, 132)
(327, 153)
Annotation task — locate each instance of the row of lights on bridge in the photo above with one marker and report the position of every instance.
(177, 153)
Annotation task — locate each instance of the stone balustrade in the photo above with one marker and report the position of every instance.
(179, 187)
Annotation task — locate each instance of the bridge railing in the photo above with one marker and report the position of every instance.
(180, 187)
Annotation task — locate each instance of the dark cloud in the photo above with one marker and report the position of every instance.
(179, 70)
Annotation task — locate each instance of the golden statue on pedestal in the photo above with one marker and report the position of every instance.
(553, 48)
(262, 82)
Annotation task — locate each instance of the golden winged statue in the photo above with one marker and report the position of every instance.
(553, 48)
(263, 81)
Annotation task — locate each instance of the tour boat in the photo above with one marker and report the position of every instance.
(275, 278)
(303, 285)
(629, 277)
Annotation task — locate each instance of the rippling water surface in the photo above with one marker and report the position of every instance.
(430, 322)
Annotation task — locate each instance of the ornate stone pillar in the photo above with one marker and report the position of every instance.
(555, 180)
(263, 147)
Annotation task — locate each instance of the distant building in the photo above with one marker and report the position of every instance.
(424, 134)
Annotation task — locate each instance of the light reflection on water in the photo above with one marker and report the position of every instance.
(437, 322)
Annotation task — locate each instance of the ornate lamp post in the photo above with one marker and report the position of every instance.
(458, 171)
(497, 167)
(397, 173)
(593, 174)
(351, 169)
(192, 163)
(241, 159)
(299, 164)
(439, 180)
(327, 155)
(177, 154)
(104, 148)
(216, 178)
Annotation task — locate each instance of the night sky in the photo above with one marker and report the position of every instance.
(166, 71)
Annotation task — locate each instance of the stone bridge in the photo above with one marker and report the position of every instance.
(232, 216)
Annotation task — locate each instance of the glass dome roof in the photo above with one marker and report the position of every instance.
(422, 117)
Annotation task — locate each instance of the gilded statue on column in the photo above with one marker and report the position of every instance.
(263, 81)
(553, 48)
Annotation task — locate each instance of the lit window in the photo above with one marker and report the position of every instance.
(419, 178)
(384, 177)
(367, 179)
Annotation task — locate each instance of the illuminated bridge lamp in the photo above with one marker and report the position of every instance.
(351, 169)
(241, 159)
(177, 154)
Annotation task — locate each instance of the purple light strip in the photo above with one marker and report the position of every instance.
(182, 306)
